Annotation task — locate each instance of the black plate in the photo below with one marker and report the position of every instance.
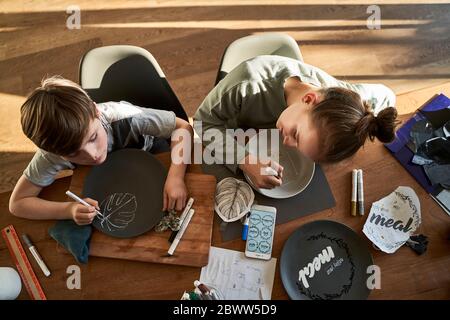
(343, 276)
(129, 188)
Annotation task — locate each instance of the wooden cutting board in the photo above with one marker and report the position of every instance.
(193, 249)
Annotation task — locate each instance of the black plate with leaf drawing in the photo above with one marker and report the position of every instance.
(129, 188)
(324, 260)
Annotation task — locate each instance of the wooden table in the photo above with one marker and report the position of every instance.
(404, 274)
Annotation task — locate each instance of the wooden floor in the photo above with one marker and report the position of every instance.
(411, 50)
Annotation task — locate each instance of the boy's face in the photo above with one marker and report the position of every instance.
(94, 148)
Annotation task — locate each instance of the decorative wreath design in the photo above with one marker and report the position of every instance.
(346, 287)
(411, 204)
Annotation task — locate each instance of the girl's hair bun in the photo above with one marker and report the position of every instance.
(381, 126)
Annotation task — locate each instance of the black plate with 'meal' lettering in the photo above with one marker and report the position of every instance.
(129, 189)
(326, 260)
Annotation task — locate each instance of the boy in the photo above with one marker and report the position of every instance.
(69, 129)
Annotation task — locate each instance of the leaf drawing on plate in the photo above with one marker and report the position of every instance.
(233, 199)
(118, 210)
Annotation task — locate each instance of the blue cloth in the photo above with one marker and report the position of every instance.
(74, 238)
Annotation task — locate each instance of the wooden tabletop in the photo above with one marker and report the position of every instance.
(404, 274)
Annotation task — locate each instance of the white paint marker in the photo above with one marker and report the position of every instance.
(360, 193)
(36, 255)
(182, 217)
(180, 233)
(269, 171)
(186, 209)
(78, 199)
(354, 191)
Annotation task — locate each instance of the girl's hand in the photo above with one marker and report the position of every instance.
(175, 193)
(263, 176)
(81, 214)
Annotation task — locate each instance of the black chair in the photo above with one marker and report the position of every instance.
(129, 73)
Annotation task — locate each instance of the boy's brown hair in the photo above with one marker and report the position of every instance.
(56, 115)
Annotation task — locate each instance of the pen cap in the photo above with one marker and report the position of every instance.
(354, 175)
(27, 240)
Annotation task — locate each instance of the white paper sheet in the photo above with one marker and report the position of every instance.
(393, 219)
(238, 277)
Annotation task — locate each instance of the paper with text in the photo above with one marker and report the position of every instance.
(238, 277)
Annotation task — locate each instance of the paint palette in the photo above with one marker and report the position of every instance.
(129, 188)
(325, 260)
(298, 169)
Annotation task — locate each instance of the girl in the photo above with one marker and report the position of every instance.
(326, 119)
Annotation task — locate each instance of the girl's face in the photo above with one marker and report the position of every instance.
(297, 128)
(94, 148)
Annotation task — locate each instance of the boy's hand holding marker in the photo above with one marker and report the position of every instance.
(83, 211)
(81, 214)
(264, 176)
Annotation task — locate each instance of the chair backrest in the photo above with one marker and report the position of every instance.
(256, 45)
(114, 73)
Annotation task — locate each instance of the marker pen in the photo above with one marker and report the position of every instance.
(245, 227)
(354, 191)
(271, 172)
(193, 296)
(200, 290)
(199, 294)
(36, 255)
(180, 232)
(182, 217)
(360, 192)
(203, 288)
(206, 291)
(79, 200)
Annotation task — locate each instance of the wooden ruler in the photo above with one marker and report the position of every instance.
(22, 263)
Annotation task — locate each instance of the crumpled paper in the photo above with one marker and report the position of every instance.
(393, 219)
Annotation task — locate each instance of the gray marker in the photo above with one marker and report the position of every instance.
(360, 193)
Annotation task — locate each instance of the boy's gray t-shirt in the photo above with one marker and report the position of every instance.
(126, 125)
(252, 96)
